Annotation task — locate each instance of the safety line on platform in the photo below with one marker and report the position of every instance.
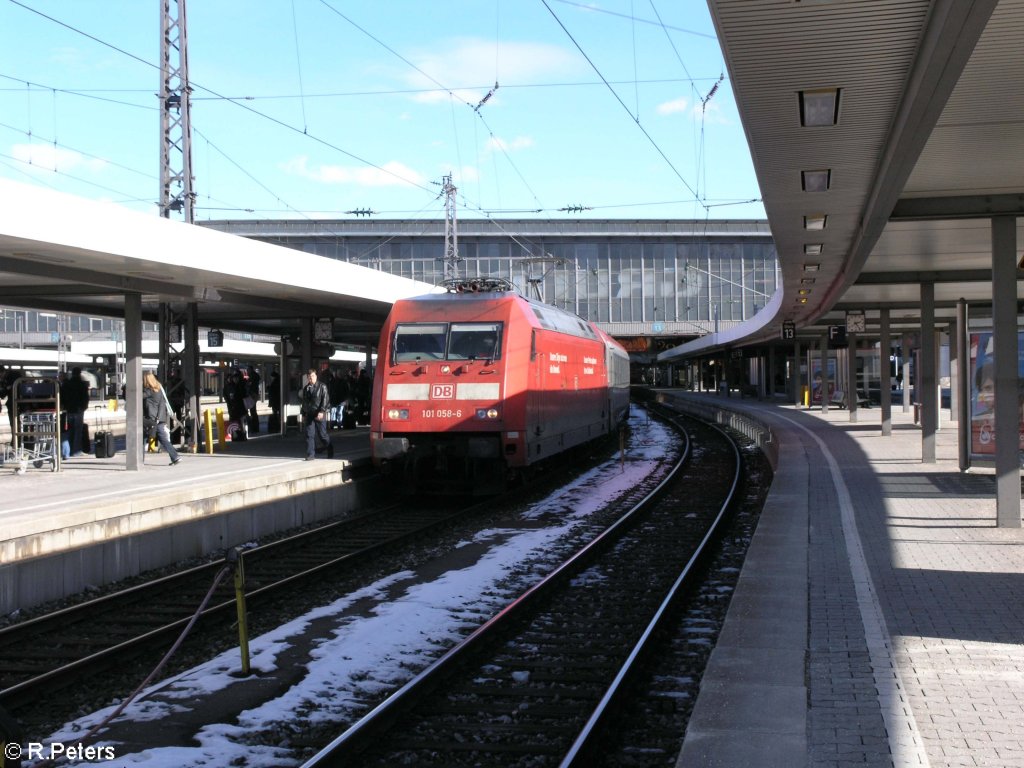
(905, 739)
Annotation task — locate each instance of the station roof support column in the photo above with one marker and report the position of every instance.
(851, 376)
(826, 382)
(133, 443)
(1005, 354)
(928, 396)
(797, 381)
(885, 373)
(964, 401)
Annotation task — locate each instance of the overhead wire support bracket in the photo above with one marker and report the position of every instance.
(486, 98)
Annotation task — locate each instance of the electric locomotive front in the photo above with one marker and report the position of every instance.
(441, 410)
(479, 384)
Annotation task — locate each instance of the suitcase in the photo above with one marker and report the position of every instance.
(104, 445)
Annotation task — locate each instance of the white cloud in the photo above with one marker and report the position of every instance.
(50, 158)
(511, 61)
(519, 142)
(672, 107)
(388, 175)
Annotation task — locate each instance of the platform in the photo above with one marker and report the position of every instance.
(94, 521)
(878, 618)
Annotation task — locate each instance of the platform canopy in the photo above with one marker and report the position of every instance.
(67, 254)
(884, 135)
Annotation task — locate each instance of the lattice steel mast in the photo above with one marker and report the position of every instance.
(451, 231)
(179, 324)
(176, 192)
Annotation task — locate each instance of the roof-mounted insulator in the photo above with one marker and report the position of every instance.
(477, 285)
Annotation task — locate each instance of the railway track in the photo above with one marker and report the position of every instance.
(538, 684)
(59, 649)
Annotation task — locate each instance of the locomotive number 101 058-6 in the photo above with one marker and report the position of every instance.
(442, 413)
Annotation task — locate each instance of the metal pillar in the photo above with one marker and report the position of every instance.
(176, 193)
(851, 375)
(905, 363)
(179, 354)
(962, 383)
(885, 375)
(954, 378)
(797, 380)
(1004, 343)
(133, 441)
(927, 394)
(823, 347)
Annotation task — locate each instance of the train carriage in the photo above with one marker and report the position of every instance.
(480, 383)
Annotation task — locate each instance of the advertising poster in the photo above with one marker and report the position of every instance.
(983, 438)
(818, 380)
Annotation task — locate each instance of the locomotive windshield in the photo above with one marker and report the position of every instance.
(447, 341)
(474, 341)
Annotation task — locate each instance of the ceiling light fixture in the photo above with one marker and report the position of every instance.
(815, 221)
(806, 281)
(811, 267)
(813, 249)
(816, 181)
(804, 291)
(819, 107)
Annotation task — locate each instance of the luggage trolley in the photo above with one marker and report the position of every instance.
(35, 403)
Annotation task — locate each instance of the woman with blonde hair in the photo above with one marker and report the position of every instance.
(156, 414)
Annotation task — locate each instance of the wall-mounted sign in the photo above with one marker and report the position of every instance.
(788, 330)
(215, 338)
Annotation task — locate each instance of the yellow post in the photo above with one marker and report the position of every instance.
(208, 431)
(237, 562)
(807, 397)
(222, 429)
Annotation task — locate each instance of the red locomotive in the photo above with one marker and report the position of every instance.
(478, 384)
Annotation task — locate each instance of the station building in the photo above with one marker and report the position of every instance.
(652, 284)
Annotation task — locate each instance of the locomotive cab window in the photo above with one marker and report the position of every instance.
(419, 341)
(474, 341)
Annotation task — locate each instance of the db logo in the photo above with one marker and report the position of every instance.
(442, 391)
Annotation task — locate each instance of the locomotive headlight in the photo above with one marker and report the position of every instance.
(398, 413)
(487, 413)
(446, 369)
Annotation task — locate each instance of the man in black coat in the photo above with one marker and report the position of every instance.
(316, 401)
(74, 400)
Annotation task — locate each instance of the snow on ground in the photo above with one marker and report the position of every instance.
(407, 621)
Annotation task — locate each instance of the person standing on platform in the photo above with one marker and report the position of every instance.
(74, 398)
(316, 402)
(156, 415)
(274, 395)
(253, 382)
(234, 399)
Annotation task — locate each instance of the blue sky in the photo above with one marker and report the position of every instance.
(311, 108)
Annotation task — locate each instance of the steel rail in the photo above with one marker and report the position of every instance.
(583, 749)
(341, 750)
(21, 692)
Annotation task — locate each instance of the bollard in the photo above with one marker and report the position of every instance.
(234, 559)
(208, 431)
(222, 429)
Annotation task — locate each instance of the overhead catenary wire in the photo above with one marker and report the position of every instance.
(203, 93)
(618, 98)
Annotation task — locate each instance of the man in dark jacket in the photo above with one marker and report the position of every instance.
(74, 399)
(316, 401)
